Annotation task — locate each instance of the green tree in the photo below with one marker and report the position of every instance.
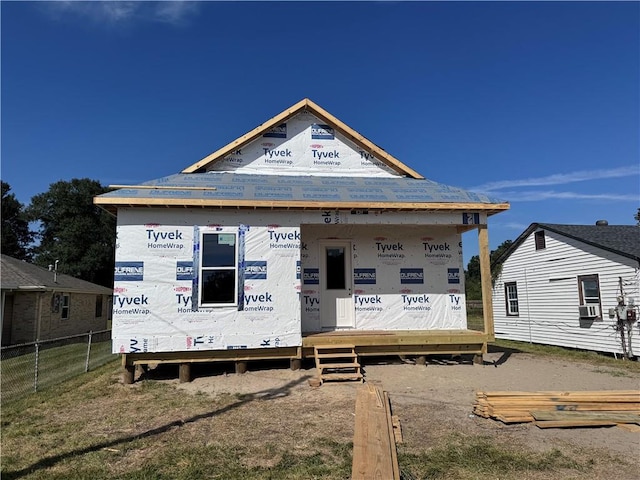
(74, 231)
(472, 278)
(16, 236)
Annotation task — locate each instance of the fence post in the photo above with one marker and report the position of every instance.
(86, 365)
(35, 377)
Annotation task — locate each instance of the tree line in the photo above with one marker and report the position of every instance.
(62, 225)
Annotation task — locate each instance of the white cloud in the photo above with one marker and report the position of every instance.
(560, 179)
(537, 195)
(512, 225)
(122, 12)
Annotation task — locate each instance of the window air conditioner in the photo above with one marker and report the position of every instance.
(589, 311)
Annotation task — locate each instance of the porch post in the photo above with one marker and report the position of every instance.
(485, 280)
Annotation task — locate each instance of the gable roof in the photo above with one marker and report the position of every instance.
(201, 186)
(19, 275)
(621, 239)
(302, 105)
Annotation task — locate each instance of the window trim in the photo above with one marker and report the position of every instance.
(508, 301)
(540, 240)
(202, 269)
(65, 306)
(581, 293)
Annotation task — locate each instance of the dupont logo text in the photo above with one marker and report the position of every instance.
(364, 276)
(311, 276)
(411, 275)
(129, 272)
(184, 270)
(279, 131)
(255, 270)
(322, 132)
(453, 275)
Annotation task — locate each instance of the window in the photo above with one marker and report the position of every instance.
(589, 293)
(511, 298)
(98, 306)
(540, 240)
(218, 282)
(335, 268)
(64, 314)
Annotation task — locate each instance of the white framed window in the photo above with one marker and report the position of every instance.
(589, 293)
(218, 279)
(64, 306)
(511, 299)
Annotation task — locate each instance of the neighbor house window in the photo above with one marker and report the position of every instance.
(98, 306)
(511, 298)
(218, 281)
(589, 293)
(540, 240)
(64, 307)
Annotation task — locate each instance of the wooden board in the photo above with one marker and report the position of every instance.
(374, 448)
(561, 409)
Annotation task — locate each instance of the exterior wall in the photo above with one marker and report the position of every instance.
(436, 301)
(548, 294)
(153, 300)
(27, 307)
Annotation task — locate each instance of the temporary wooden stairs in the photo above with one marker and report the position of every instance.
(337, 362)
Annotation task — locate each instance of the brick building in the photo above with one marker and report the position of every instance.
(38, 304)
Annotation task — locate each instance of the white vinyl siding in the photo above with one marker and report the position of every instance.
(549, 296)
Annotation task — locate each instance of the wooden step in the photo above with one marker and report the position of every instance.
(341, 376)
(339, 365)
(337, 362)
(336, 355)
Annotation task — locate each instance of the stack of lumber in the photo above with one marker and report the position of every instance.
(561, 409)
(374, 440)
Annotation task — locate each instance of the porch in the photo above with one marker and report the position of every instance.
(418, 343)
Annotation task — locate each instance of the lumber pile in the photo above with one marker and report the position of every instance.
(561, 409)
(374, 439)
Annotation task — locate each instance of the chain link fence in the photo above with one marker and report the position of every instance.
(30, 367)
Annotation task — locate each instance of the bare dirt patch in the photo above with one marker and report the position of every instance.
(434, 404)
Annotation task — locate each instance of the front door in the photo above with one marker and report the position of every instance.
(336, 278)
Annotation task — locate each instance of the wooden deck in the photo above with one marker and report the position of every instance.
(404, 342)
(366, 342)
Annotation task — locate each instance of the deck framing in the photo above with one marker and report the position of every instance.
(367, 343)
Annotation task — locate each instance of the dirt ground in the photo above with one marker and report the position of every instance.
(432, 402)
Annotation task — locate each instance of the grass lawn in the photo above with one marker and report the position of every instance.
(19, 377)
(92, 426)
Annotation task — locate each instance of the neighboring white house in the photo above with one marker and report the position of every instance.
(561, 285)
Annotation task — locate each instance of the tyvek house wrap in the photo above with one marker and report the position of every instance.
(416, 285)
(303, 145)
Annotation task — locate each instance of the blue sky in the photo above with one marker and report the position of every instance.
(534, 102)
